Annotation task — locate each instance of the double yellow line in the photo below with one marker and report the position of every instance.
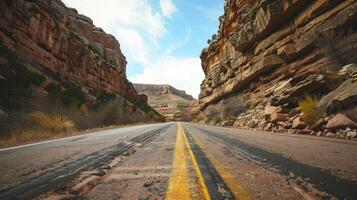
(184, 185)
(181, 185)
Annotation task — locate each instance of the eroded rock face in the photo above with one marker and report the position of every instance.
(272, 53)
(276, 50)
(65, 45)
(170, 102)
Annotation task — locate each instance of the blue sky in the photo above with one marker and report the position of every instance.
(161, 39)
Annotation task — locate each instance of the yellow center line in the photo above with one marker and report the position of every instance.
(180, 183)
(237, 190)
(198, 173)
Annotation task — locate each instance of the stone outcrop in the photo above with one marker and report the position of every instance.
(65, 45)
(170, 102)
(273, 53)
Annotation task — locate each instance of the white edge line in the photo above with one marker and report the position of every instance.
(66, 138)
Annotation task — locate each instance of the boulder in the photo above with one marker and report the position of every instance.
(340, 121)
(228, 123)
(351, 134)
(343, 97)
(298, 124)
(348, 70)
(316, 126)
(269, 110)
(277, 117)
(292, 94)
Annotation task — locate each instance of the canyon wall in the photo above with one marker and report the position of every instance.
(274, 52)
(65, 45)
(173, 104)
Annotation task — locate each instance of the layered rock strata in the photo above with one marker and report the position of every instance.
(170, 102)
(65, 45)
(272, 53)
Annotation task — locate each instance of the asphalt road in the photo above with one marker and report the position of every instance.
(181, 161)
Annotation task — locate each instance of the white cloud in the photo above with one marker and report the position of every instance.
(134, 45)
(185, 74)
(139, 27)
(135, 23)
(167, 7)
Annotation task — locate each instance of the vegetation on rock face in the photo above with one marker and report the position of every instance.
(39, 111)
(55, 123)
(310, 108)
(18, 82)
(229, 108)
(232, 107)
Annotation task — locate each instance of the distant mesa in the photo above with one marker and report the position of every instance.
(174, 104)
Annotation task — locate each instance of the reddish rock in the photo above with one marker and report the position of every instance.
(228, 123)
(276, 117)
(170, 102)
(316, 126)
(340, 121)
(269, 110)
(65, 45)
(298, 124)
(260, 45)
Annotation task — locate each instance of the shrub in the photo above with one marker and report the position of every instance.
(54, 123)
(216, 119)
(36, 78)
(232, 107)
(211, 112)
(73, 96)
(54, 91)
(310, 108)
(105, 97)
(16, 89)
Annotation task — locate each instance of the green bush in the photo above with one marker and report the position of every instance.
(18, 84)
(54, 91)
(73, 96)
(105, 97)
(310, 108)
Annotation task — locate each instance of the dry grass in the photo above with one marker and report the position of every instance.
(309, 106)
(35, 135)
(48, 126)
(24, 136)
(55, 123)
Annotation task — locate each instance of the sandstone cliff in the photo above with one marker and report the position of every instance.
(65, 45)
(172, 103)
(55, 63)
(272, 53)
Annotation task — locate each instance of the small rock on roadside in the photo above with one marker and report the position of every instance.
(330, 134)
(340, 121)
(351, 134)
(106, 167)
(99, 173)
(148, 183)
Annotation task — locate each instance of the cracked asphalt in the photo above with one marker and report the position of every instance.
(181, 161)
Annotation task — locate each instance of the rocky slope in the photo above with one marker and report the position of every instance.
(172, 103)
(270, 54)
(65, 45)
(55, 62)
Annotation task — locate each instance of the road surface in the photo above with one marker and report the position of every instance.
(181, 161)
